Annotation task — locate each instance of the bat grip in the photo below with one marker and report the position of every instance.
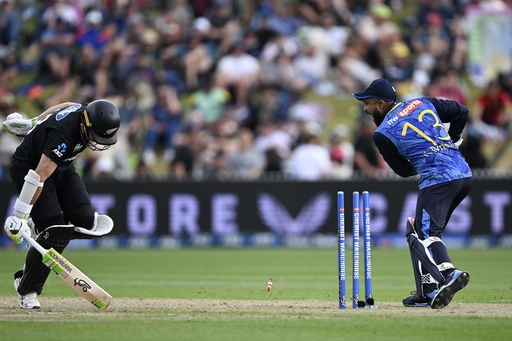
(35, 244)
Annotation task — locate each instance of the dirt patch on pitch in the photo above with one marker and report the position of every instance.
(75, 308)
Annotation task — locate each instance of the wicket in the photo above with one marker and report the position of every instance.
(369, 301)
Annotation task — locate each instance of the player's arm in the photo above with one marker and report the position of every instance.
(16, 225)
(15, 124)
(44, 170)
(454, 113)
(53, 109)
(390, 153)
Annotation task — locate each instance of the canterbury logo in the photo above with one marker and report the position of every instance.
(312, 216)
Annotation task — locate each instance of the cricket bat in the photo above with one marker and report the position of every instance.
(75, 278)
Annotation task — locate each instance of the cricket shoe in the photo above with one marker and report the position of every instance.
(455, 281)
(417, 301)
(28, 301)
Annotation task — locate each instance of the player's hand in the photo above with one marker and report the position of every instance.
(15, 124)
(15, 228)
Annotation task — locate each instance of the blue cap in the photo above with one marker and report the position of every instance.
(380, 88)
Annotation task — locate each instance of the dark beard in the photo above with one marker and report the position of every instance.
(378, 119)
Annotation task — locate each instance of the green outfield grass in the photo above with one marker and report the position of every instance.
(226, 289)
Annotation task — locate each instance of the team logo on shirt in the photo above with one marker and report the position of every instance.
(78, 147)
(66, 111)
(410, 107)
(60, 150)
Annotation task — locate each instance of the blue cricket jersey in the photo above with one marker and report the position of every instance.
(413, 140)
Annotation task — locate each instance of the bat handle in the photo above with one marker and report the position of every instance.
(35, 244)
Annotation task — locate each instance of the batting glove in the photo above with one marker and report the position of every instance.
(15, 228)
(15, 124)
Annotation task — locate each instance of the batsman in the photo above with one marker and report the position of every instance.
(412, 138)
(53, 205)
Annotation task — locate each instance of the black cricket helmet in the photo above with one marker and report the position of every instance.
(102, 119)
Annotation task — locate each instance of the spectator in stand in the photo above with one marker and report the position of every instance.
(278, 44)
(131, 119)
(70, 12)
(211, 163)
(449, 86)
(164, 122)
(182, 12)
(367, 160)
(373, 26)
(337, 36)
(208, 102)
(167, 26)
(281, 72)
(271, 136)
(10, 26)
(400, 69)
(309, 161)
(312, 10)
(57, 43)
(492, 113)
(441, 8)
(240, 71)
(505, 81)
(471, 149)
(458, 31)
(198, 60)
(93, 33)
(9, 69)
(311, 64)
(245, 163)
(341, 152)
(270, 104)
(354, 71)
(436, 35)
(225, 26)
(273, 165)
(281, 17)
(182, 164)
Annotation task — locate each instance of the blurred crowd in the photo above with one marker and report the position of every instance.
(216, 89)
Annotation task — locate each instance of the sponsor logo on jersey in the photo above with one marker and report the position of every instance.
(410, 107)
(60, 150)
(70, 159)
(65, 112)
(392, 120)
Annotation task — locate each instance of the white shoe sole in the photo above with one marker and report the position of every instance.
(21, 298)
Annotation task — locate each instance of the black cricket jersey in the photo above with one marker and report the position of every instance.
(57, 136)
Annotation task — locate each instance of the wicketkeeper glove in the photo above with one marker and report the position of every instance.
(15, 228)
(15, 124)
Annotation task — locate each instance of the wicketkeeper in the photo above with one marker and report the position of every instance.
(412, 139)
(51, 191)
